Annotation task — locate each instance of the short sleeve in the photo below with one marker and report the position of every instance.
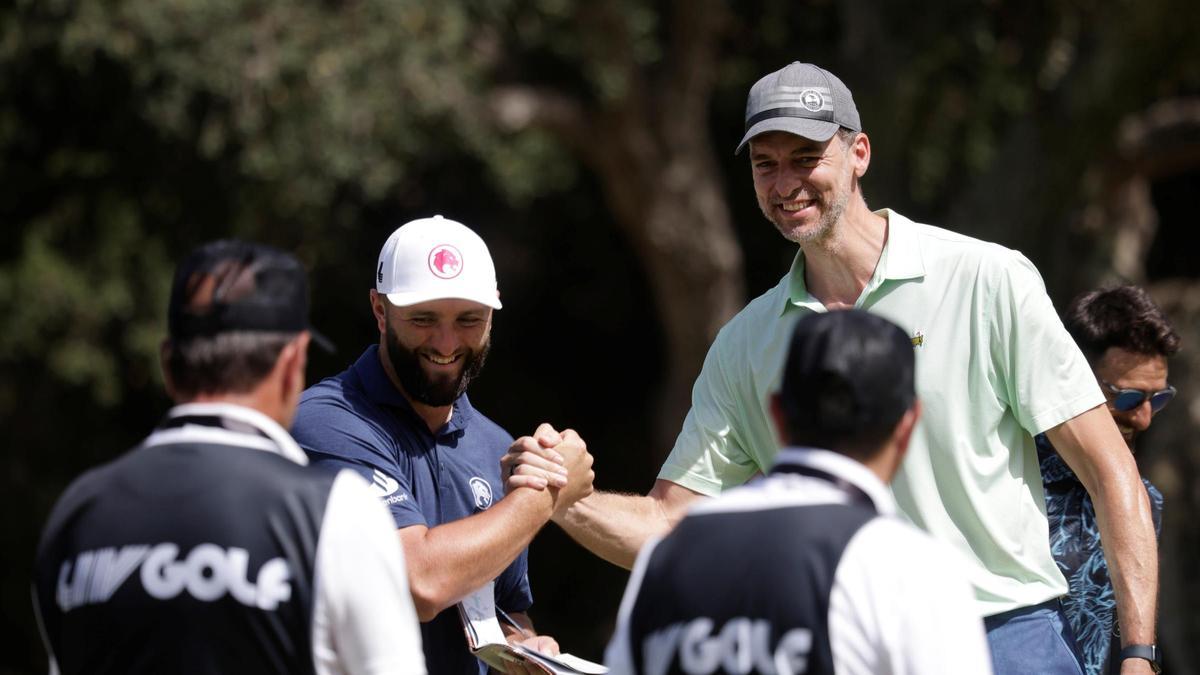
(336, 438)
(1039, 370)
(363, 619)
(914, 614)
(709, 455)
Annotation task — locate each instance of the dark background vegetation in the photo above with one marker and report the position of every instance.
(590, 143)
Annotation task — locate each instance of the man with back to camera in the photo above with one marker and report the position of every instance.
(994, 368)
(400, 416)
(211, 547)
(809, 570)
(1127, 340)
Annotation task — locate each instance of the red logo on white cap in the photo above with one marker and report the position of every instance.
(445, 261)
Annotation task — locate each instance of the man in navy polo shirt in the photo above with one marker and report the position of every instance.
(400, 417)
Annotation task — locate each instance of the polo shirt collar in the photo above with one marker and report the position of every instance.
(379, 389)
(900, 260)
(841, 466)
(225, 424)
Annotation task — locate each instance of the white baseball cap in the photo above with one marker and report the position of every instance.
(434, 259)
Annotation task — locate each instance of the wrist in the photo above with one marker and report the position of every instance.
(1148, 652)
(543, 501)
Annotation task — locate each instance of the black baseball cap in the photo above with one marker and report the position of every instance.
(232, 285)
(847, 371)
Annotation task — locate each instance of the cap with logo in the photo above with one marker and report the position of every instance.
(800, 99)
(847, 370)
(236, 286)
(435, 259)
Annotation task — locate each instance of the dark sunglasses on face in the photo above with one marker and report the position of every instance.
(1125, 400)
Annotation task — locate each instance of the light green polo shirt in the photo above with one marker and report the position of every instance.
(994, 367)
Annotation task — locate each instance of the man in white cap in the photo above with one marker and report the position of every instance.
(994, 367)
(400, 416)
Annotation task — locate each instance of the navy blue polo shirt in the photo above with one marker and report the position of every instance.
(358, 420)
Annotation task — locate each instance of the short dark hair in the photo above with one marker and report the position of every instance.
(233, 362)
(1120, 316)
(847, 382)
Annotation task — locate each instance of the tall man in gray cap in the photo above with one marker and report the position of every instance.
(786, 575)
(994, 368)
(211, 548)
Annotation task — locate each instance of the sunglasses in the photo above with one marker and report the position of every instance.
(1125, 400)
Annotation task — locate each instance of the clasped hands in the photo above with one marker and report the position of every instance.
(552, 460)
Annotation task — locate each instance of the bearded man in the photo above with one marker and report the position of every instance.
(400, 416)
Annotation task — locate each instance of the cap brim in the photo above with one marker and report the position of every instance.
(407, 299)
(814, 130)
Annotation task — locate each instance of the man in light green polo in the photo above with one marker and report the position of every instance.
(994, 367)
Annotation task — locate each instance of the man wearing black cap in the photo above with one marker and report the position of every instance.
(210, 547)
(809, 570)
(994, 367)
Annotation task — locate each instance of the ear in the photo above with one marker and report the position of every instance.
(294, 360)
(860, 150)
(379, 307)
(902, 434)
(779, 419)
(289, 373)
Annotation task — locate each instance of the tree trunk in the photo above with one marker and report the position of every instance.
(668, 198)
(649, 145)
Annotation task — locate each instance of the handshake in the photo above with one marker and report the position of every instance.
(550, 460)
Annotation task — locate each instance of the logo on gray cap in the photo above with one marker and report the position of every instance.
(800, 99)
(811, 99)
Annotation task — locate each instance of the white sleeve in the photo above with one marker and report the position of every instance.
(363, 616)
(619, 655)
(901, 604)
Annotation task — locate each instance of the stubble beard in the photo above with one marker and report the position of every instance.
(821, 233)
(439, 391)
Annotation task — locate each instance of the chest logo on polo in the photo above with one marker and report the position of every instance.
(207, 573)
(918, 339)
(482, 491)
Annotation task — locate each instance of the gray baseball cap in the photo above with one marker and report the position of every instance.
(800, 99)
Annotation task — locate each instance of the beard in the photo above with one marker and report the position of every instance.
(824, 227)
(436, 391)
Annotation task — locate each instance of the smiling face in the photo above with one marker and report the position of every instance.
(803, 186)
(1124, 369)
(434, 348)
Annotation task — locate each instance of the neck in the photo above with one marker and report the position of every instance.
(435, 417)
(837, 269)
(884, 465)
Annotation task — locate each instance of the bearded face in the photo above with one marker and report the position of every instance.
(423, 373)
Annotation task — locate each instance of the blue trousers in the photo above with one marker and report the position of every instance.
(1034, 639)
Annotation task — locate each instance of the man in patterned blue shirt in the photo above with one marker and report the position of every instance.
(1127, 340)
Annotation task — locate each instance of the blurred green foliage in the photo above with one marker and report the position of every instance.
(131, 130)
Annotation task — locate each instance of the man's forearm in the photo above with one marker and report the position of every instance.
(449, 561)
(614, 526)
(1095, 451)
(1130, 548)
